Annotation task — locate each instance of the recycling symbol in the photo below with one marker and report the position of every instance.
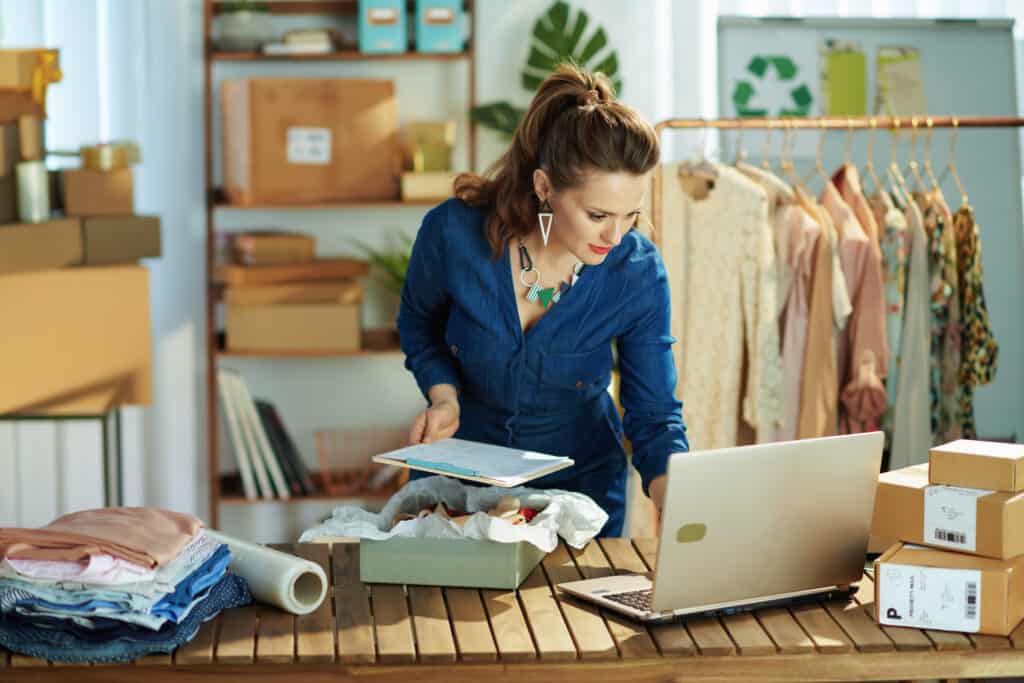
(799, 98)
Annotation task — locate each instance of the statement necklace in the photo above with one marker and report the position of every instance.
(546, 296)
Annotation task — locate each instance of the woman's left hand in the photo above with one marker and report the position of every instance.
(657, 493)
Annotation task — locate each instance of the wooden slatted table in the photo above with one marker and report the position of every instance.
(393, 634)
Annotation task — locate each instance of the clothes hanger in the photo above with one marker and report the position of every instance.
(766, 163)
(818, 166)
(700, 168)
(894, 166)
(951, 164)
(849, 141)
(869, 165)
(786, 161)
(741, 156)
(928, 156)
(912, 164)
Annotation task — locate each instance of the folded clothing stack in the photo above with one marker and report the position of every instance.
(111, 585)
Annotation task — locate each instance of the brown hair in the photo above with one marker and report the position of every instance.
(574, 124)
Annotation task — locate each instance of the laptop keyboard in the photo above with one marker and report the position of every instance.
(638, 600)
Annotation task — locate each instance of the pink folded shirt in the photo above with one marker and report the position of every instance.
(148, 537)
(99, 570)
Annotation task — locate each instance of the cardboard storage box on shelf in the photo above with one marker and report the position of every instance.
(272, 247)
(934, 589)
(22, 69)
(294, 141)
(326, 269)
(120, 239)
(447, 562)
(420, 186)
(383, 26)
(88, 192)
(978, 465)
(16, 103)
(71, 332)
(297, 328)
(97, 402)
(295, 293)
(40, 246)
(978, 522)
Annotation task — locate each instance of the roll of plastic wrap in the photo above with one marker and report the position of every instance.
(291, 583)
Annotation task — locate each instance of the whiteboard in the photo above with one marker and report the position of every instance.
(968, 69)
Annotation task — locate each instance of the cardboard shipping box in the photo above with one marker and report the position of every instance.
(297, 328)
(978, 465)
(908, 508)
(16, 103)
(934, 589)
(296, 293)
(272, 247)
(75, 331)
(328, 269)
(120, 239)
(299, 140)
(98, 193)
(40, 246)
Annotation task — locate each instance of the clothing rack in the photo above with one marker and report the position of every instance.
(845, 123)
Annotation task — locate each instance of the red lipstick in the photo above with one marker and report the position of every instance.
(600, 251)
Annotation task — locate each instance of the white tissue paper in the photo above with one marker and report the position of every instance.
(573, 516)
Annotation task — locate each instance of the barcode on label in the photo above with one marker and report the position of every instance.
(950, 536)
(971, 608)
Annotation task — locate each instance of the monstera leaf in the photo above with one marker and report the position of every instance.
(559, 35)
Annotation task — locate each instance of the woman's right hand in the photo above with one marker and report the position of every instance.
(439, 421)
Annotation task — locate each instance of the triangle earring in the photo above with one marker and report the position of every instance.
(545, 216)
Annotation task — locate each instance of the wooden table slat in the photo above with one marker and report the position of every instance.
(826, 634)
(947, 641)
(434, 641)
(905, 639)
(352, 607)
(473, 636)
(784, 631)
(275, 640)
(672, 639)
(392, 624)
(159, 659)
(984, 642)
(5, 658)
(544, 618)
(199, 650)
(863, 630)
(631, 637)
(508, 623)
(711, 638)
(24, 662)
(236, 643)
(314, 632)
(589, 631)
(1017, 637)
(67, 665)
(746, 632)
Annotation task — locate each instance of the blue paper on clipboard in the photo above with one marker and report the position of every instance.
(480, 462)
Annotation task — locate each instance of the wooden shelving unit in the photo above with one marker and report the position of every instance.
(376, 343)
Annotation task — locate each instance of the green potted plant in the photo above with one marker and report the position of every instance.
(391, 263)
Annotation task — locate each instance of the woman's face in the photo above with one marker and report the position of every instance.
(590, 220)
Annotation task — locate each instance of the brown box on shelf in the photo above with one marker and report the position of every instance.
(20, 68)
(295, 141)
(315, 271)
(40, 246)
(428, 185)
(297, 328)
(295, 293)
(96, 402)
(909, 509)
(978, 465)
(15, 104)
(272, 247)
(10, 149)
(946, 591)
(120, 239)
(98, 193)
(72, 332)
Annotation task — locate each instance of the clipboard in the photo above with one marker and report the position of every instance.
(479, 462)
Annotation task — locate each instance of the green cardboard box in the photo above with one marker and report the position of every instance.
(457, 563)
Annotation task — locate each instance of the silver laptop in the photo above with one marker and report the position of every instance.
(754, 526)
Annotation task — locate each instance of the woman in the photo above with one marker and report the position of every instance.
(518, 286)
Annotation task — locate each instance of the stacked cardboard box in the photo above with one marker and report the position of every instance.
(957, 563)
(77, 339)
(281, 298)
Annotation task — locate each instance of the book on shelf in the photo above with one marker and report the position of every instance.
(250, 441)
(299, 481)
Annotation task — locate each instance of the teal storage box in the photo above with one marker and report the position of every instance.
(383, 27)
(456, 563)
(439, 26)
